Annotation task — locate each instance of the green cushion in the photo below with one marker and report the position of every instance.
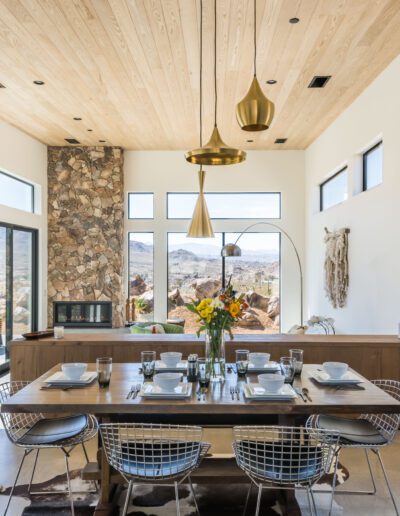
(173, 328)
(139, 329)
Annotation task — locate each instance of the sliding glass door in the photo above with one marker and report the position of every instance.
(18, 284)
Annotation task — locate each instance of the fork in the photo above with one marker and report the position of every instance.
(130, 392)
(136, 391)
(237, 392)
(232, 391)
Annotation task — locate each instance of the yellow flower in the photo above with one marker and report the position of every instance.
(234, 309)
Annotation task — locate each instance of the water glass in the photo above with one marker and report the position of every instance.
(148, 364)
(297, 355)
(204, 368)
(242, 361)
(287, 368)
(104, 369)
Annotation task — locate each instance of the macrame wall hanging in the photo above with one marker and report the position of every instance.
(336, 266)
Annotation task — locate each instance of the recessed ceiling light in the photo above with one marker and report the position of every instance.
(281, 140)
(102, 141)
(319, 81)
(90, 130)
(38, 83)
(294, 20)
(249, 141)
(77, 118)
(2, 85)
(271, 81)
(73, 141)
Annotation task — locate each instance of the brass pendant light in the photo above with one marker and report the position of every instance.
(200, 225)
(255, 112)
(215, 152)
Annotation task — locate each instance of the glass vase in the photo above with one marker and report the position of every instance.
(215, 354)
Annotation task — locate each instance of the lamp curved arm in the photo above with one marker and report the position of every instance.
(295, 250)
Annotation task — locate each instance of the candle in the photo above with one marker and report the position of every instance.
(59, 332)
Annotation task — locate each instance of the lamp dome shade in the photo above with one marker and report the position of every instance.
(255, 112)
(230, 250)
(200, 225)
(215, 152)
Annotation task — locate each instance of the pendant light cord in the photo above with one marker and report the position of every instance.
(201, 73)
(255, 38)
(215, 64)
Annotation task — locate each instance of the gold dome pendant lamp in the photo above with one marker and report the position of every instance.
(200, 225)
(255, 112)
(216, 151)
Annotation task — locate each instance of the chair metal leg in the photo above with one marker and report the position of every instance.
(247, 498)
(258, 500)
(85, 453)
(313, 501)
(334, 481)
(194, 496)
(387, 482)
(310, 503)
(69, 484)
(26, 452)
(127, 498)
(33, 470)
(178, 510)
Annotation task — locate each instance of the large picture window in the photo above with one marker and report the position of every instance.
(16, 193)
(141, 274)
(196, 269)
(232, 205)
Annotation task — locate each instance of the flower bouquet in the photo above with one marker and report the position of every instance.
(216, 316)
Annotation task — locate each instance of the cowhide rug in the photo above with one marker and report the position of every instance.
(213, 500)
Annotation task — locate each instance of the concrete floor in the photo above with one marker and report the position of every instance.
(52, 464)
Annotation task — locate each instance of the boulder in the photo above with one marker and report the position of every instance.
(176, 298)
(257, 300)
(21, 315)
(138, 286)
(23, 297)
(206, 287)
(250, 320)
(273, 307)
(146, 302)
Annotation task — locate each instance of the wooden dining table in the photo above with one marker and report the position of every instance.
(217, 408)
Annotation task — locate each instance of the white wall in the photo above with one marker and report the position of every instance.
(26, 158)
(373, 216)
(161, 172)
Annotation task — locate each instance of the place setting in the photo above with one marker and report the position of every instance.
(337, 374)
(74, 375)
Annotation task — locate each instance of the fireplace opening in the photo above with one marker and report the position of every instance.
(83, 314)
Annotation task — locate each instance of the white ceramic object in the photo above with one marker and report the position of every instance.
(271, 382)
(259, 359)
(74, 371)
(171, 358)
(335, 370)
(167, 381)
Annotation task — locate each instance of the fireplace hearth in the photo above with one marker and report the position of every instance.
(82, 314)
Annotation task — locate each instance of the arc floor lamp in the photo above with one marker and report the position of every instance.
(233, 250)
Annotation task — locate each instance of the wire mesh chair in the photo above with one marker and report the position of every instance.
(34, 432)
(284, 457)
(369, 432)
(157, 454)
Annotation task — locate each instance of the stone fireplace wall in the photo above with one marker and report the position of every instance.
(85, 226)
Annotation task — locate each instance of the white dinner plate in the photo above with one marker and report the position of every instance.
(181, 367)
(348, 378)
(150, 390)
(254, 391)
(269, 366)
(60, 378)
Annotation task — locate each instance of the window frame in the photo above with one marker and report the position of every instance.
(32, 187)
(365, 167)
(324, 183)
(129, 206)
(224, 193)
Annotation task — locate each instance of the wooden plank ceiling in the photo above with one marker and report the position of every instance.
(130, 68)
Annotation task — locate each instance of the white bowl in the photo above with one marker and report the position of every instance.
(74, 371)
(335, 369)
(259, 359)
(271, 382)
(167, 381)
(171, 358)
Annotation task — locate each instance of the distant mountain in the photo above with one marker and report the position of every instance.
(139, 247)
(183, 255)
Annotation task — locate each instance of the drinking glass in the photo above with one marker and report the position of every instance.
(148, 364)
(242, 361)
(297, 355)
(287, 368)
(104, 369)
(204, 368)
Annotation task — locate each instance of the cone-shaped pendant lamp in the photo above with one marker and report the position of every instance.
(200, 226)
(255, 112)
(215, 152)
